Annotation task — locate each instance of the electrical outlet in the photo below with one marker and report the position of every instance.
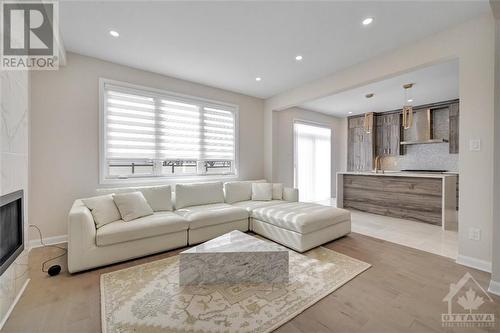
(475, 234)
(474, 145)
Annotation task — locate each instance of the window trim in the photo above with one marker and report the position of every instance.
(103, 180)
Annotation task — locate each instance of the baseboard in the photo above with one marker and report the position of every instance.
(494, 287)
(479, 264)
(11, 308)
(48, 240)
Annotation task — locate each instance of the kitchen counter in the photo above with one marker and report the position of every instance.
(424, 197)
(389, 173)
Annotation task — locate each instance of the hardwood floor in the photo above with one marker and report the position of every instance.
(401, 292)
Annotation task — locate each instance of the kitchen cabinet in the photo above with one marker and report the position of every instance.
(388, 130)
(360, 152)
(454, 128)
(429, 198)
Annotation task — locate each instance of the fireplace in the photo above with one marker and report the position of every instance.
(11, 228)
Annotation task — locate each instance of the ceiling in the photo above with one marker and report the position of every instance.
(432, 84)
(229, 44)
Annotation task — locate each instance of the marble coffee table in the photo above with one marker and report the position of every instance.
(234, 257)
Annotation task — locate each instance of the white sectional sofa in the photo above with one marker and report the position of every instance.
(196, 213)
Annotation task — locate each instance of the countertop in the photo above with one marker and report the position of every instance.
(389, 173)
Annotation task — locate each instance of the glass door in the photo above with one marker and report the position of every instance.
(312, 161)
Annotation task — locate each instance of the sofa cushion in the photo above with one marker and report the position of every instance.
(240, 190)
(159, 198)
(103, 209)
(277, 191)
(198, 194)
(213, 214)
(250, 205)
(132, 205)
(262, 191)
(153, 225)
(301, 217)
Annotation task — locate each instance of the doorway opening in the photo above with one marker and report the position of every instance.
(312, 161)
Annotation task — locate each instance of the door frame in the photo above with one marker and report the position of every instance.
(295, 155)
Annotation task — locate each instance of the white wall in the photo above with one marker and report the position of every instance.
(495, 276)
(65, 127)
(14, 158)
(284, 142)
(473, 44)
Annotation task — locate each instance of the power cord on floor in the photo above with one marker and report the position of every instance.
(55, 269)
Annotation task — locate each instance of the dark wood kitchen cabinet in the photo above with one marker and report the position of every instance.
(387, 134)
(454, 128)
(360, 145)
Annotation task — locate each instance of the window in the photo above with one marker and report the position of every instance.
(148, 133)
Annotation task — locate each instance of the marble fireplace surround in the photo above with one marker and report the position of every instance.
(14, 151)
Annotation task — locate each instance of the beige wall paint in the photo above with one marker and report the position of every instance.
(473, 44)
(284, 120)
(65, 132)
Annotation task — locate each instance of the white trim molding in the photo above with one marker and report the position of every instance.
(479, 264)
(34, 243)
(494, 287)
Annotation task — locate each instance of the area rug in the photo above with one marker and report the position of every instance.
(147, 298)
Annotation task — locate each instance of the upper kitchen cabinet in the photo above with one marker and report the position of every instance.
(360, 145)
(454, 128)
(387, 134)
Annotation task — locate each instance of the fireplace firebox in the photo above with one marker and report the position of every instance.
(11, 228)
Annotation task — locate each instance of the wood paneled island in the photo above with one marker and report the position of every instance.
(423, 197)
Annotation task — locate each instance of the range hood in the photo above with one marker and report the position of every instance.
(421, 132)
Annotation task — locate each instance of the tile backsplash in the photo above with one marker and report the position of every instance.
(434, 156)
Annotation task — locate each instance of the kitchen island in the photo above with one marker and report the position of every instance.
(423, 197)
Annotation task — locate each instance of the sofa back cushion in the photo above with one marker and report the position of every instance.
(159, 198)
(198, 194)
(262, 191)
(277, 191)
(240, 190)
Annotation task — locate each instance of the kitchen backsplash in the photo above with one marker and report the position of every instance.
(433, 156)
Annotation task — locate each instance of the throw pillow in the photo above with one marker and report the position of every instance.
(103, 209)
(277, 191)
(132, 205)
(262, 191)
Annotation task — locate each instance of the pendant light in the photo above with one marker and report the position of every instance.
(408, 106)
(369, 118)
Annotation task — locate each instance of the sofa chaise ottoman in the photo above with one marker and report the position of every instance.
(300, 226)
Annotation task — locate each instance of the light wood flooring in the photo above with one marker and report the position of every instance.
(401, 292)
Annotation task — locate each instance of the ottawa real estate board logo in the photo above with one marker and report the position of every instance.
(29, 35)
(466, 299)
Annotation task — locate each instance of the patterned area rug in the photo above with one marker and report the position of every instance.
(148, 299)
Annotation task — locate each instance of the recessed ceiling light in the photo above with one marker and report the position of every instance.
(350, 112)
(114, 33)
(258, 78)
(367, 21)
(299, 58)
(410, 100)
